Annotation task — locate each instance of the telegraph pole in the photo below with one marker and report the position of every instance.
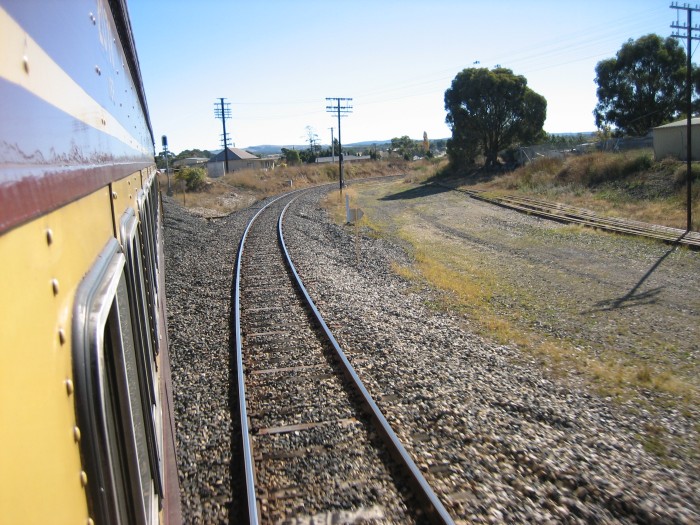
(342, 107)
(222, 110)
(688, 28)
(332, 146)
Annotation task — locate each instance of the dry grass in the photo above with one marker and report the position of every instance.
(334, 202)
(469, 286)
(239, 189)
(629, 185)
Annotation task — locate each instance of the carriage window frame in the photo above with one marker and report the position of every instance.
(145, 351)
(107, 400)
(148, 239)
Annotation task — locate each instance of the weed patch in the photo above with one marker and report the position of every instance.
(628, 185)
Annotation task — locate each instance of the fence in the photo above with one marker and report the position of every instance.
(527, 154)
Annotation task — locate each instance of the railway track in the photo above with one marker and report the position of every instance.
(315, 445)
(571, 214)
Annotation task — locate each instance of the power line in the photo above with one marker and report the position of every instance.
(528, 59)
(534, 56)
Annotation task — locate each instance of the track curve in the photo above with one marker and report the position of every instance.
(315, 443)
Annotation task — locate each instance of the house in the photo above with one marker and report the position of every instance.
(238, 159)
(670, 140)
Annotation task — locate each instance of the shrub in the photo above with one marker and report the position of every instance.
(680, 174)
(194, 178)
(597, 168)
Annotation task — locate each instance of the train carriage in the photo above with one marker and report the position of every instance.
(86, 429)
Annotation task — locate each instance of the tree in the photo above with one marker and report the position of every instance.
(642, 87)
(188, 153)
(312, 138)
(160, 160)
(291, 156)
(426, 143)
(193, 177)
(404, 146)
(489, 110)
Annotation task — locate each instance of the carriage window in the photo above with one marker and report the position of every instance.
(147, 240)
(126, 365)
(109, 399)
(144, 351)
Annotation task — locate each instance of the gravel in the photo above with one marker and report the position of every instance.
(498, 439)
(336, 463)
(200, 255)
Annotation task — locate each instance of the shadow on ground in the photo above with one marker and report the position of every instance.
(634, 297)
(471, 176)
(425, 190)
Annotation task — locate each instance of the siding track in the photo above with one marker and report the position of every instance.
(570, 214)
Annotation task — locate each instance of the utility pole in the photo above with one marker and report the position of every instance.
(342, 107)
(688, 28)
(222, 110)
(332, 146)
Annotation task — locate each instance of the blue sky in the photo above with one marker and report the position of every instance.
(276, 61)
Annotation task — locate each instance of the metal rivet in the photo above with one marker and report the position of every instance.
(49, 236)
(61, 336)
(76, 434)
(69, 387)
(114, 195)
(83, 478)
(90, 522)
(98, 70)
(93, 19)
(54, 286)
(25, 63)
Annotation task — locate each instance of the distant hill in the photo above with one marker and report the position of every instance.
(274, 149)
(586, 134)
(269, 149)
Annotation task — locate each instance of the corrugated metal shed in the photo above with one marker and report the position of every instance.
(670, 140)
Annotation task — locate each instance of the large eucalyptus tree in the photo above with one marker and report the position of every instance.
(490, 110)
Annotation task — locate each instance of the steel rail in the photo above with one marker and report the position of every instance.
(248, 465)
(587, 218)
(436, 510)
(570, 214)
